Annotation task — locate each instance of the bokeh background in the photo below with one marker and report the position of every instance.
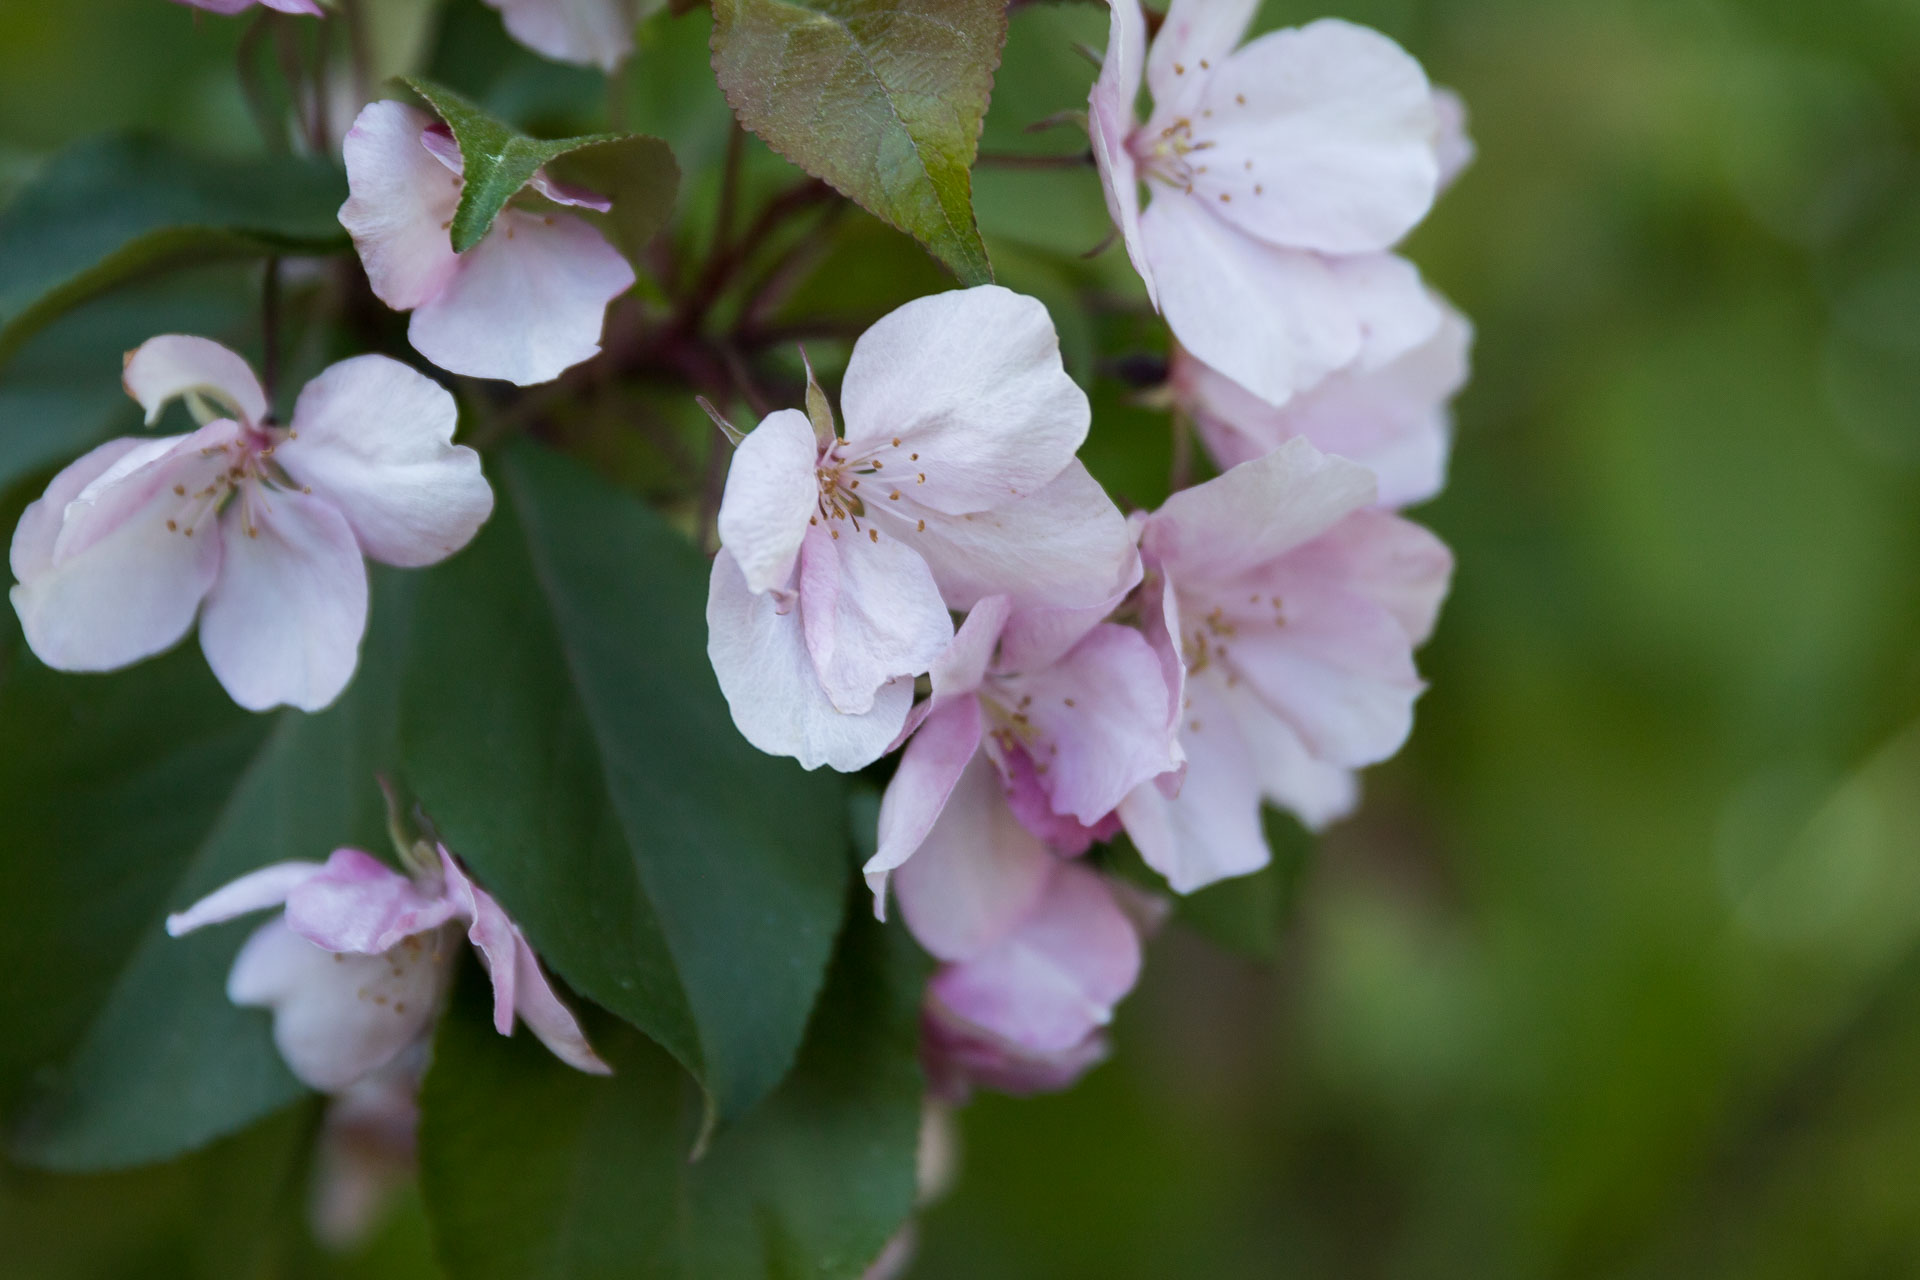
(1618, 971)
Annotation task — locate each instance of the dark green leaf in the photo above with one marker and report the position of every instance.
(103, 211)
(129, 796)
(640, 176)
(565, 731)
(881, 98)
(535, 1172)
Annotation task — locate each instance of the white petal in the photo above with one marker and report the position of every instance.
(255, 891)
(284, 621)
(771, 494)
(929, 770)
(761, 659)
(1211, 830)
(1274, 320)
(1453, 147)
(870, 611)
(526, 304)
(1290, 776)
(174, 365)
(1196, 37)
(971, 381)
(1110, 123)
(977, 873)
(594, 33)
(401, 201)
(1396, 312)
(374, 439)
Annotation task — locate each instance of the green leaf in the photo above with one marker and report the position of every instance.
(564, 730)
(129, 796)
(109, 209)
(883, 99)
(532, 1171)
(498, 160)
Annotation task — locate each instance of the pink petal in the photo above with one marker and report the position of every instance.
(338, 1016)
(359, 904)
(977, 873)
(770, 496)
(870, 611)
(550, 1020)
(1211, 830)
(567, 193)
(525, 304)
(597, 33)
(401, 202)
(959, 1056)
(930, 768)
(365, 1153)
(173, 365)
(1391, 561)
(760, 655)
(255, 891)
(1256, 512)
(972, 382)
(1066, 546)
(959, 671)
(374, 439)
(1196, 37)
(1453, 148)
(1041, 635)
(283, 622)
(1290, 776)
(103, 581)
(1054, 978)
(1395, 310)
(1322, 139)
(1274, 320)
(306, 8)
(1033, 806)
(1110, 123)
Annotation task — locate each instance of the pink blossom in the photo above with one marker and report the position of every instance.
(955, 480)
(525, 304)
(1066, 729)
(257, 529)
(357, 965)
(1394, 419)
(306, 7)
(1287, 607)
(366, 1150)
(1281, 174)
(594, 33)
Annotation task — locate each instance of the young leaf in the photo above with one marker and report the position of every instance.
(563, 728)
(883, 99)
(535, 1172)
(129, 796)
(109, 209)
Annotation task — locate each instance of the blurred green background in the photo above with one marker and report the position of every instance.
(1618, 971)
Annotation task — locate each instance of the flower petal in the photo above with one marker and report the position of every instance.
(284, 621)
(358, 903)
(1395, 310)
(374, 439)
(760, 655)
(549, 1019)
(1066, 546)
(1110, 123)
(977, 873)
(173, 365)
(1453, 147)
(526, 304)
(971, 382)
(959, 1056)
(336, 1015)
(959, 671)
(1211, 830)
(594, 33)
(1322, 139)
(1276, 321)
(870, 611)
(401, 200)
(1290, 776)
(771, 493)
(930, 768)
(1196, 37)
(255, 891)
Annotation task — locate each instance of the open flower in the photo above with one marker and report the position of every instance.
(1068, 734)
(592, 33)
(258, 529)
(1394, 420)
(1291, 606)
(525, 304)
(1280, 175)
(356, 967)
(955, 480)
(307, 7)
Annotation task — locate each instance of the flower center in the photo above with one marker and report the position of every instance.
(1208, 643)
(848, 480)
(241, 478)
(1169, 155)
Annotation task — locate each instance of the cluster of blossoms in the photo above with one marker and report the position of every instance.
(1166, 674)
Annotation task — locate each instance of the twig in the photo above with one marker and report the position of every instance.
(259, 106)
(786, 271)
(270, 330)
(1017, 160)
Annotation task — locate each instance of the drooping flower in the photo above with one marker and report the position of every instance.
(593, 33)
(305, 7)
(258, 529)
(1069, 724)
(955, 480)
(1394, 420)
(524, 305)
(1289, 607)
(1281, 174)
(357, 965)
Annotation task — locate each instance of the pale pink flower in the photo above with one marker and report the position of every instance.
(1069, 725)
(257, 529)
(1281, 174)
(593, 33)
(955, 480)
(307, 7)
(357, 965)
(1291, 607)
(524, 305)
(1395, 419)
(366, 1150)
